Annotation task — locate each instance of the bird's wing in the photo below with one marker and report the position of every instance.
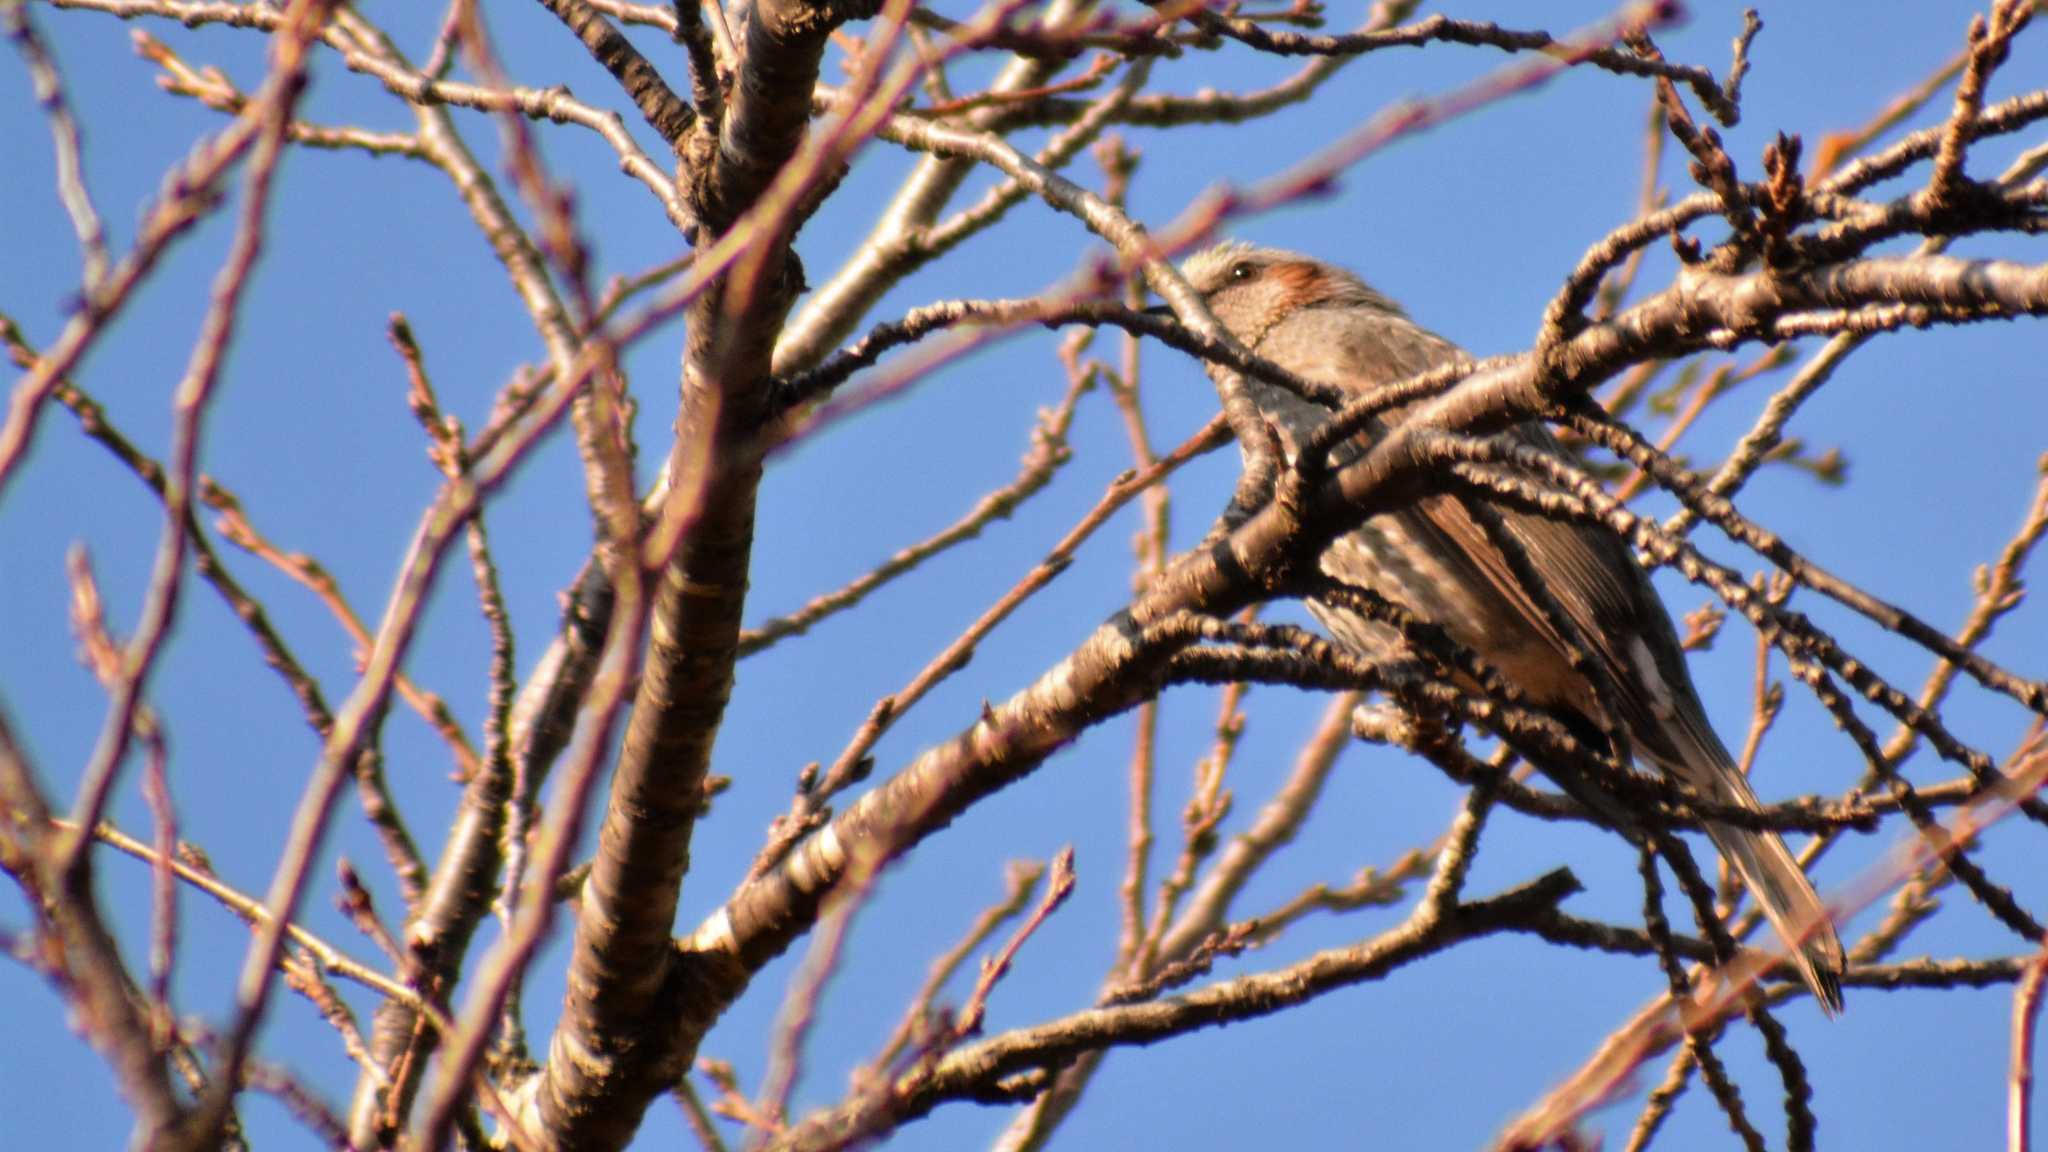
(1607, 600)
(1591, 574)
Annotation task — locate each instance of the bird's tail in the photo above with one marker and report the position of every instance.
(1767, 869)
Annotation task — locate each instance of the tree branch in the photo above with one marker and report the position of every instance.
(1108, 671)
(622, 974)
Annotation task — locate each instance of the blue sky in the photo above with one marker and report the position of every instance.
(1472, 226)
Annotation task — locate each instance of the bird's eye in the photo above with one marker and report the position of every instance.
(1242, 271)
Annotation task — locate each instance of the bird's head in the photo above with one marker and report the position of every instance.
(1250, 289)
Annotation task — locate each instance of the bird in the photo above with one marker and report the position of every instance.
(1438, 559)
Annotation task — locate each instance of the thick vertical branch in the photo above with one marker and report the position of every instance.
(601, 1073)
